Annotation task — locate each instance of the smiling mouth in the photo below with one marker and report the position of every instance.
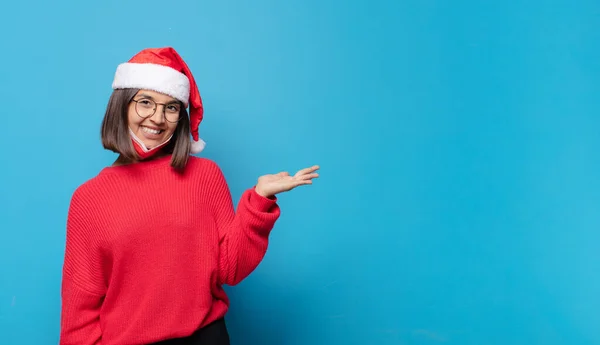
(152, 130)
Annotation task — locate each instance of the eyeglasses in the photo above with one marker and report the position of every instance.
(146, 108)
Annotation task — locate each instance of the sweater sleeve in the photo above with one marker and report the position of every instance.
(243, 233)
(81, 289)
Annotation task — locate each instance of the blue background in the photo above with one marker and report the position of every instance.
(458, 141)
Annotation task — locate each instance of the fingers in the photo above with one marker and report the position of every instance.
(305, 179)
(307, 170)
(302, 182)
(307, 176)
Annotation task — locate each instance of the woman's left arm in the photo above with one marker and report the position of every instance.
(244, 233)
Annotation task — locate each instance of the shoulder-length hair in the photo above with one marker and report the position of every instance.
(115, 131)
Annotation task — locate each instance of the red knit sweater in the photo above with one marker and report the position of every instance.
(148, 250)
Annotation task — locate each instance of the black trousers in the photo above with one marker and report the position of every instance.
(212, 334)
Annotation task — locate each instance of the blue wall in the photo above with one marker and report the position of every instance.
(458, 202)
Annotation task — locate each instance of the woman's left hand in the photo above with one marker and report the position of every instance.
(269, 185)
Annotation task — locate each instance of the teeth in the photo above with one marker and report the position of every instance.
(150, 130)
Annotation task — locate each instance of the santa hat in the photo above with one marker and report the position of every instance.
(163, 70)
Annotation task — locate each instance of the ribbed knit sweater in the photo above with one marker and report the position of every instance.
(148, 250)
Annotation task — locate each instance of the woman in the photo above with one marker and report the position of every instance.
(152, 239)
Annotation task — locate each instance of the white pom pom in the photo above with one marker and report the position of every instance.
(198, 146)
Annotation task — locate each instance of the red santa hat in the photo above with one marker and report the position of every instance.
(163, 70)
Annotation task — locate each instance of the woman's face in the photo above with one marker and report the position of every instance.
(153, 116)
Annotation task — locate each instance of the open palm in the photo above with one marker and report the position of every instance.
(272, 184)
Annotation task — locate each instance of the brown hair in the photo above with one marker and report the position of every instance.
(115, 132)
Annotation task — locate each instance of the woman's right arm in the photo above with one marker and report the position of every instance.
(82, 288)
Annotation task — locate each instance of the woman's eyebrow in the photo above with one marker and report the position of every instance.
(145, 96)
(172, 101)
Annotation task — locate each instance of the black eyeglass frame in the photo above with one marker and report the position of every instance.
(156, 104)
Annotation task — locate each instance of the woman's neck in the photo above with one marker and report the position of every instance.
(121, 160)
